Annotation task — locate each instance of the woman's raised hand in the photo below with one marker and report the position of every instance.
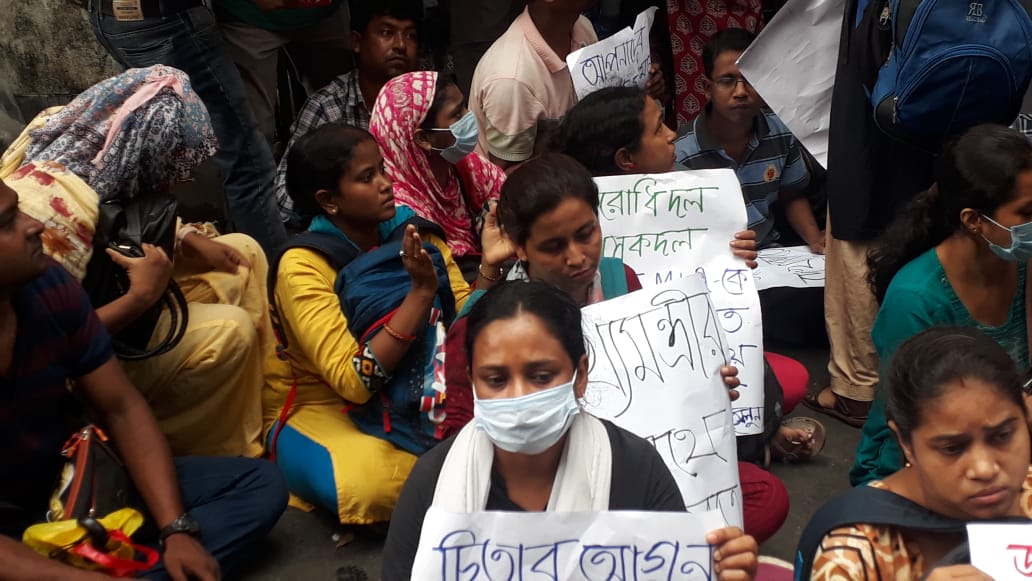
(496, 246)
(417, 261)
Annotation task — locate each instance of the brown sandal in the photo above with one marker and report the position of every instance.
(848, 411)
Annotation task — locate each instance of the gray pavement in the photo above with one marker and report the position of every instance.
(303, 545)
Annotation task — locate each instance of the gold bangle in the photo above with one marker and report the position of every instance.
(480, 271)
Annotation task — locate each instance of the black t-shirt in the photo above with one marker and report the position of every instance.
(59, 337)
(873, 176)
(640, 481)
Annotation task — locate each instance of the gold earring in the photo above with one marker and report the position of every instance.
(333, 211)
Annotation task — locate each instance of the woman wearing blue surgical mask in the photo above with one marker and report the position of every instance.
(529, 366)
(427, 137)
(956, 256)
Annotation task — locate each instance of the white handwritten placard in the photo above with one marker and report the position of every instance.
(655, 371)
(621, 60)
(666, 226)
(1002, 551)
(567, 546)
(794, 266)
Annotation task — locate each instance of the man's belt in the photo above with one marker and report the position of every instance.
(134, 10)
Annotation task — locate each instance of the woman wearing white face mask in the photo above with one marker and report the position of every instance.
(427, 138)
(956, 256)
(528, 365)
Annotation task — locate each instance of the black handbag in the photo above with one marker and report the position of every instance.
(94, 485)
(94, 482)
(125, 227)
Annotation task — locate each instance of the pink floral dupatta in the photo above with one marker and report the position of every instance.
(401, 107)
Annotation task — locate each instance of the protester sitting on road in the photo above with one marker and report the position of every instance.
(620, 130)
(549, 213)
(353, 464)
(129, 138)
(956, 256)
(734, 131)
(386, 40)
(954, 404)
(526, 349)
(427, 137)
(208, 510)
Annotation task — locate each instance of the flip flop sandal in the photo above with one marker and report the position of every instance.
(818, 435)
(838, 412)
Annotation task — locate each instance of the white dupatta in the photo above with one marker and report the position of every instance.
(582, 482)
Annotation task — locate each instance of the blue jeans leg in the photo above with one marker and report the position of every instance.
(236, 501)
(190, 41)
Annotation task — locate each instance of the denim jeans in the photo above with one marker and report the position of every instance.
(190, 41)
(236, 501)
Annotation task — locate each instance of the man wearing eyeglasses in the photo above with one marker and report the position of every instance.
(735, 131)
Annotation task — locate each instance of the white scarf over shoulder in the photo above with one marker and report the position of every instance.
(581, 484)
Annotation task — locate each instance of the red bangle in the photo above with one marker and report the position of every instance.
(399, 336)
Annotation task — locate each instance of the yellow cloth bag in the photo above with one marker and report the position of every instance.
(82, 544)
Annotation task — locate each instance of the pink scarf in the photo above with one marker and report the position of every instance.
(401, 107)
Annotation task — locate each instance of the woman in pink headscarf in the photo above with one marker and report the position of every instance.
(427, 138)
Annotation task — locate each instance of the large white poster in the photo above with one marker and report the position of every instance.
(655, 371)
(566, 546)
(667, 226)
(792, 65)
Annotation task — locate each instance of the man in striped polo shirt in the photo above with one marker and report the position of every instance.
(735, 132)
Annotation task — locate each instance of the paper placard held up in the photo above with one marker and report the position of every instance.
(622, 60)
(573, 546)
(666, 226)
(655, 371)
(794, 266)
(1002, 551)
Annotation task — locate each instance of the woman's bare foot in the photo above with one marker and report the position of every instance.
(798, 439)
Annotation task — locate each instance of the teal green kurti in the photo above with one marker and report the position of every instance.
(920, 297)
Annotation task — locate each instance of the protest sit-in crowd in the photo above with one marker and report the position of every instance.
(464, 276)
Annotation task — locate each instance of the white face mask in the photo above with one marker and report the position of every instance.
(529, 424)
